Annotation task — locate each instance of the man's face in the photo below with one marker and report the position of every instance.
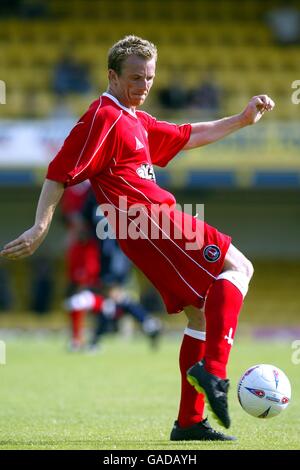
(135, 81)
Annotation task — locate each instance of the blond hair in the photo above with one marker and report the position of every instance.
(130, 45)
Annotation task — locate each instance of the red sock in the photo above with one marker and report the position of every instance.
(191, 402)
(77, 317)
(222, 307)
(98, 302)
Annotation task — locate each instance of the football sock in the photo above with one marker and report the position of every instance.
(97, 303)
(77, 318)
(87, 300)
(222, 307)
(84, 300)
(191, 402)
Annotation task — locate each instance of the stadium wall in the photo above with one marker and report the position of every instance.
(263, 223)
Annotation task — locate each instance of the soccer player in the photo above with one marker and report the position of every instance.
(82, 255)
(97, 270)
(114, 146)
(108, 310)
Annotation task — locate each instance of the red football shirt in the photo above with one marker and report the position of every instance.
(115, 148)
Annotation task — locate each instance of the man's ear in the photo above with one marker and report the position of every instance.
(112, 76)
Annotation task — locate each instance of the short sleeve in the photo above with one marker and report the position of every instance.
(166, 139)
(87, 150)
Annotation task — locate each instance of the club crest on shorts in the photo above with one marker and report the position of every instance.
(211, 253)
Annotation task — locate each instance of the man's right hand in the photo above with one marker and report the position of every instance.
(25, 245)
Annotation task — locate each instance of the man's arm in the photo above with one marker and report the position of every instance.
(27, 243)
(204, 133)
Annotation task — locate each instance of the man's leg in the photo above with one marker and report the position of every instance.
(80, 303)
(191, 424)
(77, 323)
(77, 315)
(151, 326)
(100, 329)
(192, 350)
(223, 304)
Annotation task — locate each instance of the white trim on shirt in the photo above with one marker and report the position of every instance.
(115, 100)
(100, 145)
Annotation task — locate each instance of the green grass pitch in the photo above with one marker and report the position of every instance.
(125, 397)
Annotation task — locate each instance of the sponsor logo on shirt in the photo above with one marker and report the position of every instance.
(146, 172)
(211, 253)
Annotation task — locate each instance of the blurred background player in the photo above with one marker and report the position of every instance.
(108, 310)
(82, 254)
(98, 271)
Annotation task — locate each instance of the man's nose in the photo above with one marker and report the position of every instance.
(144, 84)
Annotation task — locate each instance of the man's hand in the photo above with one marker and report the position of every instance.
(204, 133)
(25, 245)
(256, 108)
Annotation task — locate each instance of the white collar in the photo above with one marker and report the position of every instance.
(115, 100)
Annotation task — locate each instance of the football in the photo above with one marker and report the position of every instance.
(264, 391)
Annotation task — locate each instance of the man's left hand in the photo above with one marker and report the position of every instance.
(256, 107)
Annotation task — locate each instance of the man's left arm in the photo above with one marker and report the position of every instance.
(204, 133)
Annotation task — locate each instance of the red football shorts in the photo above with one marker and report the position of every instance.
(182, 269)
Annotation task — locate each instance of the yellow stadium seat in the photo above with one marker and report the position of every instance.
(193, 37)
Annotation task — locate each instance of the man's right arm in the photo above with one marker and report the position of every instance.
(27, 243)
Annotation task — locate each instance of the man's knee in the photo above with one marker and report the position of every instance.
(236, 261)
(248, 268)
(237, 269)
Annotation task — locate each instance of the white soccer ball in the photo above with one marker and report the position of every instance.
(264, 391)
